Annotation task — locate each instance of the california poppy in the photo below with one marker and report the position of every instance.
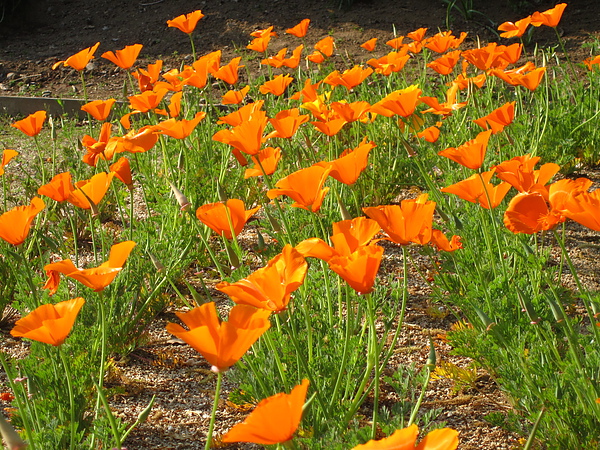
(96, 149)
(402, 102)
(347, 168)
(87, 194)
(351, 112)
(498, 118)
(444, 65)
(406, 439)
(443, 41)
(96, 278)
(308, 93)
(348, 236)
(325, 46)
(246, 137)
(286, 123)
(478, 189)
(516, 29)
(411, 221)
(316, 57)
(79, 60)
(179, 129)
(50, 324)
(186, 22)
(99, 109)
(293, 61)
(147, 100)
(350, 78)
(229, 72)
(519, 172)
(147, 77)
(529, 213)
(584, 207)
(15, 223)
(32, 124)
(59, 188)
(305, 187)
(232, 97)
(124, 58)
(222, 344)
(122, 171)
(330, 127)
(488, 57)
(430, 134)
(300, 29)
(591, 62)
(550, 17)
(391, 63)
(448, 106)
(251, 111)
(418, 35)
(265, 162)
(261, 39)
(441, 242)
(369, 45)
(360, 268)
(472, 153)
(274, 420)
(139, 141)
(7, 155)
(395, 43)
(270, 287)
(276, 86)
(225, 217)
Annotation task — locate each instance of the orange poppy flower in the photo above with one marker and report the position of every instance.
(369, 45)
(122, 171)
(516, 29)
(317, 57)
(175, 104)
(349, 78)
(147, 100)
(179, 129)
(347, 168)
(519, 172)
(441, 242)
(591, 62)
(529, 213)
(274, 420)
(15, 223)
(262, 39)
(269, 158)
(402, 102)
(32, 124)
(443, 41)
(417, 35)
(50, 324)
(96, 149)
(550, 17)
(330, 127)
(147, 77)
(351, 112)
(488, 57)
(59, 188)
(444, 65)
(526, 75)
(300, 29)
(286, 123)
(229, 72)
(448, 106)
(246, 137)
(251, 111)
(325, 46)
(430, 134)
(305, 187)
(124, 58)
(348, 236)
(270, 287)
(583, 207)
(474, 188)
(411, 221)
(7, 155)
(360, 268)
(79, 60)
(395, 43)
(391, 63)
(406, 439)
(225, 217)
(87, 194)
(186, 22)
(99, 109)
(96, 278)
(293, 61)
(276, 86)
(232, 97)
(511, 53)
(222, 344)
(498, 118)
(308, 93)
(562, 191)
(472, 153)
(133, 142)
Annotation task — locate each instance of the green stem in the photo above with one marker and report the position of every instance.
(213, 414)
(71, 397)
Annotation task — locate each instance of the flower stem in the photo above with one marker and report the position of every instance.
(213, 415)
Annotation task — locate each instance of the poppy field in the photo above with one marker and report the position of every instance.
(264, 205)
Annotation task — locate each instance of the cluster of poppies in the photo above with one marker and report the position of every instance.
(353, 252)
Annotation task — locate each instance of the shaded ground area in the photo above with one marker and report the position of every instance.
(36, 33)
